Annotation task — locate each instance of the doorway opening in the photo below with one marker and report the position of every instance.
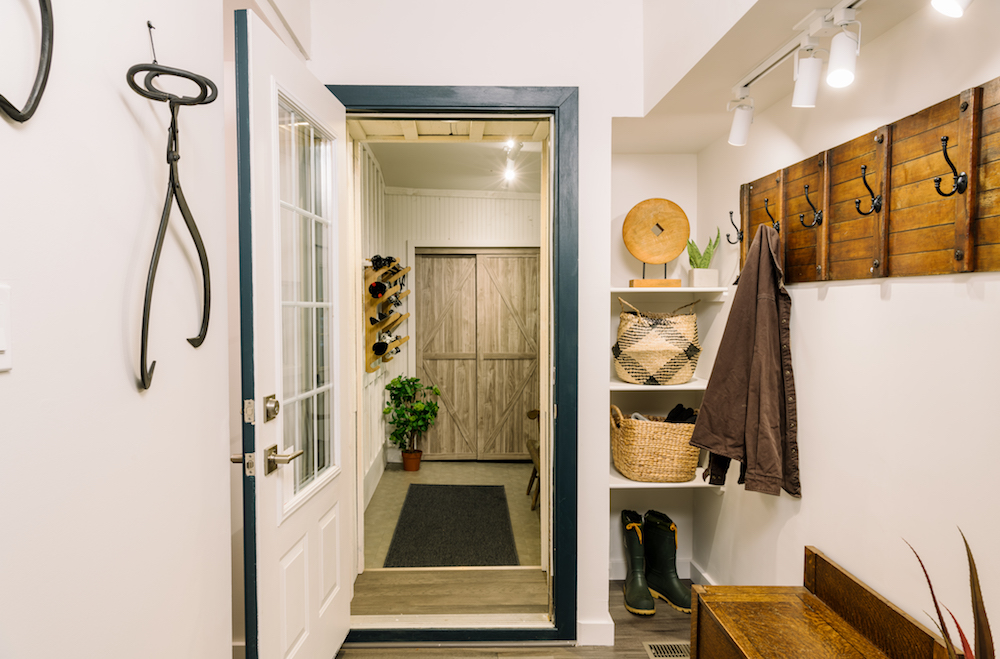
(463, 204)
(561, 104)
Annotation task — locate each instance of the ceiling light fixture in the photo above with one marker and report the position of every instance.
(953, 8)
(844, 50)
(511, 149)
(819, 23)
(742, 118)
(806, 73)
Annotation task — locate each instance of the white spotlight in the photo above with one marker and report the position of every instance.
(953, 8)
(807, 72)
(843, 56)
(742, 118)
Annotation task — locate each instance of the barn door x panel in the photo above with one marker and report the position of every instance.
(988, 223)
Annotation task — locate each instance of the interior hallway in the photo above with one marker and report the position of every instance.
(387, 502)
(429, 591)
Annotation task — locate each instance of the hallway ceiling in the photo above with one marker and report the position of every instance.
(450, 154)
(693, 114)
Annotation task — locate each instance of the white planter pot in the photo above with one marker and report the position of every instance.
(704, 278)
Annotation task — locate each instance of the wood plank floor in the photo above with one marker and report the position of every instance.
(667, 626)
(404, 591)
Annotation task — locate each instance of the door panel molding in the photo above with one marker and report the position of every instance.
(562, 103)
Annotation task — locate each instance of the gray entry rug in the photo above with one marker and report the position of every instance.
(453, 525)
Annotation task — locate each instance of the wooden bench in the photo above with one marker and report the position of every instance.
(832, 615)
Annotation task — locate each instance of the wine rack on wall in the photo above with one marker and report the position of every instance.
(385, 290)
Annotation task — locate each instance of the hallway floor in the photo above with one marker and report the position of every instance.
(631, 631)
(387, 502)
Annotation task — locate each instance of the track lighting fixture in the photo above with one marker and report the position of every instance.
(953, 8)
(844, 50)
(806, 75)
(511, 149)
(742, 118)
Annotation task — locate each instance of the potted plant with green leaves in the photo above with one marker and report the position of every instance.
(701, 275)
(411, 411)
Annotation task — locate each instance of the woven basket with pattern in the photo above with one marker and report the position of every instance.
(656, 348)
(652, 451)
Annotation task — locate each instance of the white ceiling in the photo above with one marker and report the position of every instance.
(458, 166)
(693, 114)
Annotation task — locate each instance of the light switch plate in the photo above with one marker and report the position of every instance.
(6, 336)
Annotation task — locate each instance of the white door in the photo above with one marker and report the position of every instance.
(300, 508)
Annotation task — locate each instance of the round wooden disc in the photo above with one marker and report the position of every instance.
(656, 231)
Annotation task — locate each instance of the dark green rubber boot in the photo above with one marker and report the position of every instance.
(638, 596)
(660, 535)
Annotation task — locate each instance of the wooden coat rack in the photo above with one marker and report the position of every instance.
(920, 196)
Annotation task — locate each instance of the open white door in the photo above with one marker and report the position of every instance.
(299, 507)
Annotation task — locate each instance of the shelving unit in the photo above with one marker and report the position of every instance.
(676, 499)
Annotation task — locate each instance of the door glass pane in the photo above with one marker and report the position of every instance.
(322, 431)
(321, 347)
(305, 254)
(286, 153)
(307, 247)
(305, 465)
(304, 160)
(321, 236)
(289, 365)
(291, 280)
(305, 366)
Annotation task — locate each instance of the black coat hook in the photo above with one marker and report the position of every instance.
(208, 93)
(42, 76)
(876, 199)
(961, 180)
(774, 223)
(739, 232)
(817, 214)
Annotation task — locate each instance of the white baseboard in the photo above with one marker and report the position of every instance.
(701, 577)
(595, 632)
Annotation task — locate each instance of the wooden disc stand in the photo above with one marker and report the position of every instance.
(374, 307)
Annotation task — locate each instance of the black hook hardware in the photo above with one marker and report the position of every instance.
(739, 232)
(42, 76)
(961, 180)
(817, 214)
(774, 223)
(876, 199)
(208, 93)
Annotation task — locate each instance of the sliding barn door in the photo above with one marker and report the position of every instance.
(477, 340)
(507, 300)
(445, 315)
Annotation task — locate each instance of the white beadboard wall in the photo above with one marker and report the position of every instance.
(455, 218)
(370, 205)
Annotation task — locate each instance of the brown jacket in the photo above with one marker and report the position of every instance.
(748, 412)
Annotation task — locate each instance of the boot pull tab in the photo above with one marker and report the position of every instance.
(638, 529)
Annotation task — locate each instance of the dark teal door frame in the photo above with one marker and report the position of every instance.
(562, 103)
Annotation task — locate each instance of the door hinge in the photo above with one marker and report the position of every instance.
(555, 411)
(248, 414)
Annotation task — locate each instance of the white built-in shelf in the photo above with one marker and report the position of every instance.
(710, 293)
(694, 384)
(619, 482)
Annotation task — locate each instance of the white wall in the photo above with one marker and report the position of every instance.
(676, 35)
(370, 205)
(564, 43)
(115, 537)
(896, 378)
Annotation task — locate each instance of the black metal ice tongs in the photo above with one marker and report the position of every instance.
(208, 93)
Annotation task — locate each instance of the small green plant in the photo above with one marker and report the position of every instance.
(699, 259)
(411, 410)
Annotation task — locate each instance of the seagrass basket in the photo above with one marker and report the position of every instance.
(652, 451)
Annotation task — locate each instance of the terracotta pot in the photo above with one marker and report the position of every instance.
(411, 460)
